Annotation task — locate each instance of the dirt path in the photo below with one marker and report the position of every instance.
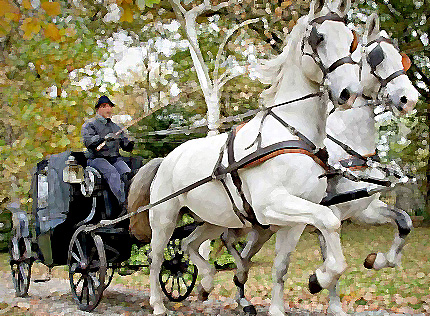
(54, 298)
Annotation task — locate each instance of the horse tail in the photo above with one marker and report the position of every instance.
(139, 196)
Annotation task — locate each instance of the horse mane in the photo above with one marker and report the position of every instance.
(272, 71)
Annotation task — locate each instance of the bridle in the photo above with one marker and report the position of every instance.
(314, 39)
(375, 58)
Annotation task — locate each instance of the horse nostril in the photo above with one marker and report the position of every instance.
(344, 95)
(404, 99)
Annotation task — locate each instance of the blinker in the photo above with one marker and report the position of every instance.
(375, 57)
(315, 38)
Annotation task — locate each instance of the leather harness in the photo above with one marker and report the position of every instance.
(302, 146)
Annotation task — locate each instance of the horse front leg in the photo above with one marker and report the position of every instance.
(163, 223)
(393, 256)
(286, 210)
(334, 304)
(286, 241)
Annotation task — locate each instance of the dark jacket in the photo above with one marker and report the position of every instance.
(93, 133)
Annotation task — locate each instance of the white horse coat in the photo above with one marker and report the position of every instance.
(283, 191)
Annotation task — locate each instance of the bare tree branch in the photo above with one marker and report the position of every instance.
(227, 37)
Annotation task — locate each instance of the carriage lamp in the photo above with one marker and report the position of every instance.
(73, 173)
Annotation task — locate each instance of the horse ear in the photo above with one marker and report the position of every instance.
(343, 7)
(354, 43)
(372, 27)
(316, 7)
(406, 62)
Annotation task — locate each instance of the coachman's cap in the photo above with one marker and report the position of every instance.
(104, 99)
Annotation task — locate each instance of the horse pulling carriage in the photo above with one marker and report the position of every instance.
(69, 198)
(249, 179)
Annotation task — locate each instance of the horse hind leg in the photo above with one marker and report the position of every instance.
(191, 246)
(286, 241)
(393, 257)
(256, 239)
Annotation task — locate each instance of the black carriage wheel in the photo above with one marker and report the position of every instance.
(20, 264)
(21, 273)
(87, 268)
(178, 275)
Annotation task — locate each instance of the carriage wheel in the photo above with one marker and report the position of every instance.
(20, 264)
(87, 268)
(109, 275)
(178, 275)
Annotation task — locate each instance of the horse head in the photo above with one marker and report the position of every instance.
(326, 50)
(384, 69)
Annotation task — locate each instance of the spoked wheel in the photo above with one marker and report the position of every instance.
(87, 268)
(109, 275)
(20, 264)
(178, 275)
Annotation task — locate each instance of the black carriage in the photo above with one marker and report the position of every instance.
(70, 200)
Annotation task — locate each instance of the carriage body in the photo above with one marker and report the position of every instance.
(60, 207)
(69, 199)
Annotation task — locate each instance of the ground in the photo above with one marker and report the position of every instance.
(400, 291)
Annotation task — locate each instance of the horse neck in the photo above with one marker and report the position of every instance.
(354, 127)
(307, 116)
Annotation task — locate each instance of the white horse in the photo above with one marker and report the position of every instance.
(285, 190)
(383, 76)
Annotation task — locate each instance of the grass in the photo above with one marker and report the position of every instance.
(403, 289)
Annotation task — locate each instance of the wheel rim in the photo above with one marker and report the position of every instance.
(178, 275)
(20, 264)
(21, 273)
(87, 269)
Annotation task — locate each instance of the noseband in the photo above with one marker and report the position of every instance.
(314, 39)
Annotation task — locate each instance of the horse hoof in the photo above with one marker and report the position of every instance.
(250, 310)
(314, 286)
(370, 261)
(203, 296)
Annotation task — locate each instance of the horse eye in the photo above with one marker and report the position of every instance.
(315, 38)
(375, 57)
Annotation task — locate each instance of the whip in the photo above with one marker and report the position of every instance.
(146, 114)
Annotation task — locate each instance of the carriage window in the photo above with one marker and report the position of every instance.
(42, 191)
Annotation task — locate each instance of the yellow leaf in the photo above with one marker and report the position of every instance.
(127, 15)
(30, 26)
(5, 27)
(52, 32)
(26, 4)
(51, 8)
(9, 11)
(285, 4)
